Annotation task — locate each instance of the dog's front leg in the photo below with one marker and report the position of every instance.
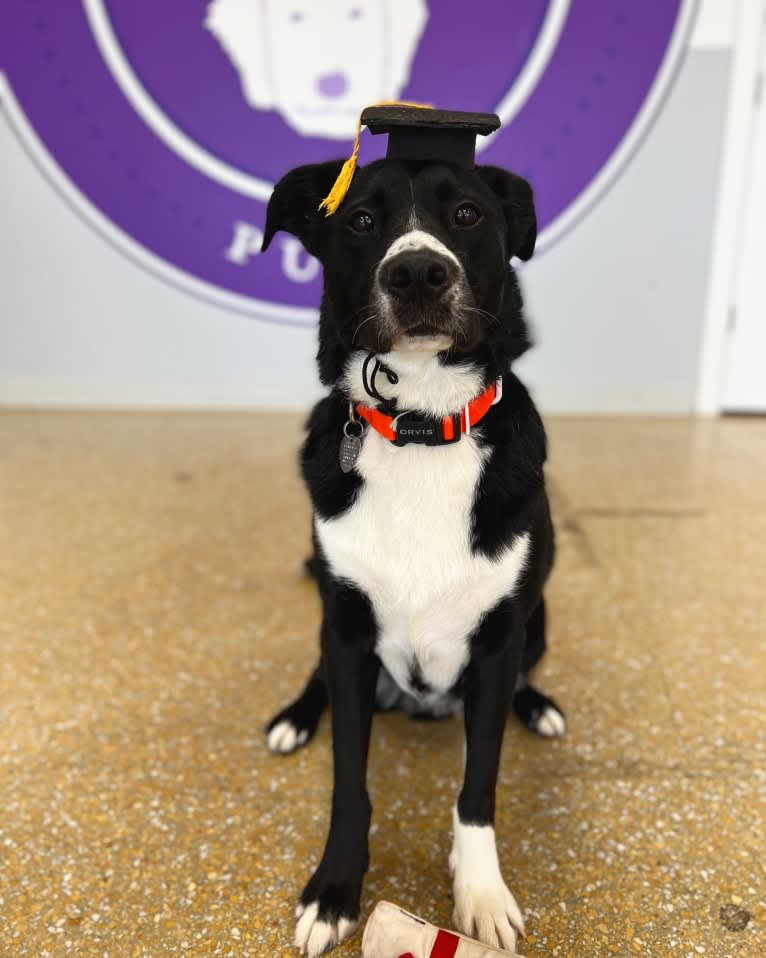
(329, 905)
(484, 907)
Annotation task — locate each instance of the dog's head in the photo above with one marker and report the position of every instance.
(415, 255)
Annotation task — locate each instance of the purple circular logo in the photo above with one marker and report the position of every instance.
(166, 125)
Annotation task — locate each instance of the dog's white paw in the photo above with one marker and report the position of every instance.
(488, 913)
(313, 937)
(484, 907)
(551, 724)
(284, 737)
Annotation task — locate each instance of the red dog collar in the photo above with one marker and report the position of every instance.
(408, 427)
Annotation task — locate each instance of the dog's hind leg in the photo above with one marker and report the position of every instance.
(537, 711)
(295, 725)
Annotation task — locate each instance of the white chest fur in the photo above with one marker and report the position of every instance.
(406, 542)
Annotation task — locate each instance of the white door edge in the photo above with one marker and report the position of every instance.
(751, 20)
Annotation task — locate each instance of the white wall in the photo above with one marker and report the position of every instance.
(617, 304)
(81, 324)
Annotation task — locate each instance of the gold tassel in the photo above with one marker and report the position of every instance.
(341, 186)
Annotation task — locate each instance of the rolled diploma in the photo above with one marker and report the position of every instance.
(392, 932)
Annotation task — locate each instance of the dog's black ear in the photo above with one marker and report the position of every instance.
(519, 208)
(294, 204)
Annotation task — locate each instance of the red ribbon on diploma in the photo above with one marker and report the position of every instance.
(445, 946)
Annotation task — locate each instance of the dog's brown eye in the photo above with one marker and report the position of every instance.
(467, 215)
(362, 222)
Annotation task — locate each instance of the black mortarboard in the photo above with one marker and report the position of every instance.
(416, 133)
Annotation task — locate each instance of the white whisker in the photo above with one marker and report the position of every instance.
(373, 315)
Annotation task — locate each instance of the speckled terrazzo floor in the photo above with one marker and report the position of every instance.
(153, 615)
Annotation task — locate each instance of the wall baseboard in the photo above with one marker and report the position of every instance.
(115, 395)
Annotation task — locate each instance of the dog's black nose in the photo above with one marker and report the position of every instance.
(417, 274)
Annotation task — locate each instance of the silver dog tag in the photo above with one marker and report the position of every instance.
(350, 445)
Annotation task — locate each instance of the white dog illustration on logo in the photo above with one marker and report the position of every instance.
(319, 62)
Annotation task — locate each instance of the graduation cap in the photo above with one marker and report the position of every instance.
(415, 132)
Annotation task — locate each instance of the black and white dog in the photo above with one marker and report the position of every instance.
(434, 540)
